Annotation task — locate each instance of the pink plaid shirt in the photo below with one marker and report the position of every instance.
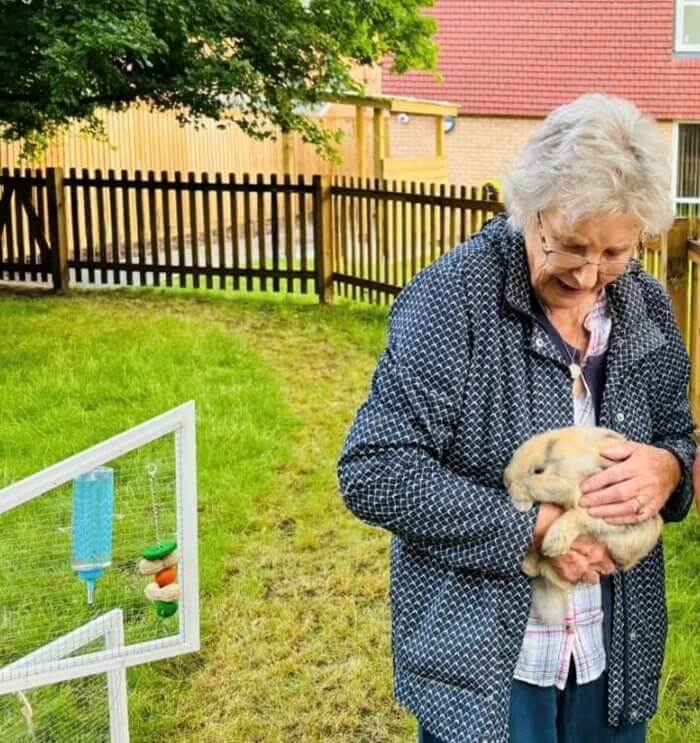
(547, 650)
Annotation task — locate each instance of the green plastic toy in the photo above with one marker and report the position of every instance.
(160, 562)
(159, 550)
(165, 609)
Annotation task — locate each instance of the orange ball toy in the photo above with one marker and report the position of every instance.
(166, 577)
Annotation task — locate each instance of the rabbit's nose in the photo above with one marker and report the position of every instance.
(520, 496)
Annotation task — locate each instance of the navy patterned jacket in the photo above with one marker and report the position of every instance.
(466, 377)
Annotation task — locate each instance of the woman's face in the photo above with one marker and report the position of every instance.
(608, 238)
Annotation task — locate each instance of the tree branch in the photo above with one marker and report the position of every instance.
(87, 100)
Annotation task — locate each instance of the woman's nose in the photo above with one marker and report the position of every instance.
(586, 276)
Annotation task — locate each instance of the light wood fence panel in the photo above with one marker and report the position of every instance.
(139, 139)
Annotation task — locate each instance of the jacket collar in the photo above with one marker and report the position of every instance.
(517, 276)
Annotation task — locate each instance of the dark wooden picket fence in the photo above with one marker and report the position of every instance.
(29, 207)
(362, 239)
(385, 232)
(359, 239)
(154, 231)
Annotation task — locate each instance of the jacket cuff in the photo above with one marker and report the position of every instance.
(677, 506)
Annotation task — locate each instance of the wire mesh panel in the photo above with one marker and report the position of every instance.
(85, 710)
(98, 571)
(75, 711)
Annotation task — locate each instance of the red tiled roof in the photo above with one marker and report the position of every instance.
(524, 57)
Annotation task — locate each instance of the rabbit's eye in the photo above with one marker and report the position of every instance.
(538, 471)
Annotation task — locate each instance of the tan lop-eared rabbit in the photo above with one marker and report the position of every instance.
(548, 469)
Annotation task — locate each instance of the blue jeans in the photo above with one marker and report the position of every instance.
(575, 715)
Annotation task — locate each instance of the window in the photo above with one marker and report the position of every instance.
(687, 189)
(687, 26)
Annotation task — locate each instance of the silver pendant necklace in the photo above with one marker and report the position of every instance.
(575, 369)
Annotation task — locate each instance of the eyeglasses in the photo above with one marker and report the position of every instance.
(566, 261)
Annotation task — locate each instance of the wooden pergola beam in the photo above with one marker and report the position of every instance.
(380, 140)
(398, 104)
(382, 107)
(360, 140)
(439, 137)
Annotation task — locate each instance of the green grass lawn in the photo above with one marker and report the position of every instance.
(295, 620)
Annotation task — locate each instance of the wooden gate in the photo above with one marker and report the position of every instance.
(32, 228)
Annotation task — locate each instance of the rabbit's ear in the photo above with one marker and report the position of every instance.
(594, 439)
(614, 435)
(529, 454)
(598, 435)
(600, 438)
(607, 441)
(604, 462)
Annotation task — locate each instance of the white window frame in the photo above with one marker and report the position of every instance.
(680, 45)
(674, 183)
(42, 668)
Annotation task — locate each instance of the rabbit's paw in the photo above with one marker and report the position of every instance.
(555, 544)
(531, 564)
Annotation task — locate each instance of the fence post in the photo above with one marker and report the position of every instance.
(677, 270)
(692, 338)
(58, 235)
(323, 237)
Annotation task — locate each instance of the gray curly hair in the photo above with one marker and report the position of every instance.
(595, 155)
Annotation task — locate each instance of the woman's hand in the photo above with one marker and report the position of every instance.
(636, 488)
(548, 514)
(586, 561)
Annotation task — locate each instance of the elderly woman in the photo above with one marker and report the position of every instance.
(541, 320)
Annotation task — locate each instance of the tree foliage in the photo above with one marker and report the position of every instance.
(64, 60)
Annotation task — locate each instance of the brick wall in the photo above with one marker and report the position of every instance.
(478, 149)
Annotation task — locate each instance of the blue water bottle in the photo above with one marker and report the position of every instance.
(93, 499)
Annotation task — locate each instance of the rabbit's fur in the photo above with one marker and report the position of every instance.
(548, 469)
